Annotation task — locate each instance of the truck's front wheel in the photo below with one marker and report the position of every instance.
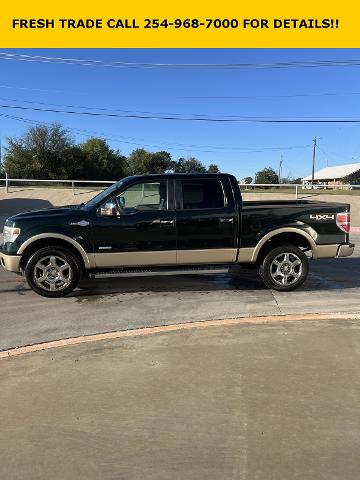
(285, 268)
(53, 272)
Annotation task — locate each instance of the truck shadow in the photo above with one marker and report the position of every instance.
(12, 206)
(167, 284)
(335, 274)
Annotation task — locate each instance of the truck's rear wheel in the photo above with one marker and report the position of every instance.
(53, 272)
(285, 268)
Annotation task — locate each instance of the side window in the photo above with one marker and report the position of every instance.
(202, 193)
(144, 196)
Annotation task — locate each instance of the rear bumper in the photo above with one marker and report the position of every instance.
(345, 250)
(333, 251)
(10, 262)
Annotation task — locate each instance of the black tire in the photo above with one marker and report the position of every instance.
(61, 275)
(283, 273)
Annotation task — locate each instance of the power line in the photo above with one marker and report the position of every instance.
(102, 109)
(187, 66)
(41, 90)
(176, 146)
(253, 97)
(89, 133)
(188, 118)
(157, 115)
(133, 112)
(335, 156)
(199, 97)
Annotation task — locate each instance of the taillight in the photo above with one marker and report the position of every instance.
(343, 221)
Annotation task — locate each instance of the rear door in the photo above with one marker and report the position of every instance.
(206, 221)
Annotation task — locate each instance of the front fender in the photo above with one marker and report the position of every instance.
(72, 240)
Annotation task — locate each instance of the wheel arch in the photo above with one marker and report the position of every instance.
(56, 239)
(289, 235)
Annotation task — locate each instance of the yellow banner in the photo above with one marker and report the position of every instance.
(187, 24)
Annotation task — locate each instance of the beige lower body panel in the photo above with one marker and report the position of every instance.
(170, 257)
(10, 262)
(246, 255)
(134, 259)
(205, 256)
(211, 255)
(325, 251)
(346, 250)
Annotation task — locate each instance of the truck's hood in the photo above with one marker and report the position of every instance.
(67, 210)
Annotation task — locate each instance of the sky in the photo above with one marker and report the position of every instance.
(240, 148)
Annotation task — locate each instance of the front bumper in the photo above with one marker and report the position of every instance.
(10, 262)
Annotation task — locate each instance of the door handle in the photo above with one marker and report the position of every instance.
(226, 220)
(167, 222)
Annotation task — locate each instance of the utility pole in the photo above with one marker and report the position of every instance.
(280, 167)
(313, 161)
(1, 165)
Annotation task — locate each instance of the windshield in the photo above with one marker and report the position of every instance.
(104, 194)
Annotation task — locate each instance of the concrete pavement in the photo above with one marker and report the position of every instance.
(245, 402)
(248, 402)
(122, 304)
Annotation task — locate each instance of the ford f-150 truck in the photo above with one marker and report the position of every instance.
(173, 223)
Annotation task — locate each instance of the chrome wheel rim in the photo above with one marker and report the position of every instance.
(286, 269)
(52, 273)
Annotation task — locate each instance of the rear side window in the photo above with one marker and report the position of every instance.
(203, 193)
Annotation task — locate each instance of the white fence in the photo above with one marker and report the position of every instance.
(245, 187)
(296, 188)
(13, 181)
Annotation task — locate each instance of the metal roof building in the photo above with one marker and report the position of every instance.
(338, 173)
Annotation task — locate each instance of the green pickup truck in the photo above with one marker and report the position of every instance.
(173, 224)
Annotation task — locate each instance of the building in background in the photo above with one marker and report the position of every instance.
(338, 175)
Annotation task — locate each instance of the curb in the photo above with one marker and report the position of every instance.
(16, 351)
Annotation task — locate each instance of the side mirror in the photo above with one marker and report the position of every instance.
(108, 209)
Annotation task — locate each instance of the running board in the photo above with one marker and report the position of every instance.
(146, 272)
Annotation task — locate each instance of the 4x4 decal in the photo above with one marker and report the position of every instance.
(322, 216)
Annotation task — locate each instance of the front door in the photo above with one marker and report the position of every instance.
(142, 232)
(206, 220)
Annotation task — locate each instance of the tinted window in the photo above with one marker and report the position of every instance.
(144, 196)
(206, 193)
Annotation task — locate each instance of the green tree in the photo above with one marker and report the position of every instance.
(246, 180)
(39, 153)
(100, 161)
(142, 162)
(73, 160)
(49, 152)
(189, 165)
(213, 168)
(267, 175)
